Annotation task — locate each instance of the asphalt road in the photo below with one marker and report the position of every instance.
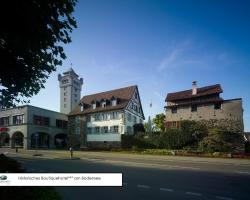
(149, 177)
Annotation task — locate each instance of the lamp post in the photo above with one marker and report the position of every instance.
(36, 138)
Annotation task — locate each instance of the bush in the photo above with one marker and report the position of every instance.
(221, 141)
(138, 128)
(191, 136)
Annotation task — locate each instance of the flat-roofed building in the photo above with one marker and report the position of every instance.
(32, 127)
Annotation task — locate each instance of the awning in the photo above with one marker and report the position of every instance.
(3, 129)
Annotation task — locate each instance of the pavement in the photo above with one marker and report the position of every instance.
(146, 176)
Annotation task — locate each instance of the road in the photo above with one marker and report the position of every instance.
(151, 177)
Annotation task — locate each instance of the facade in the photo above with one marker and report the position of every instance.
(100, 119)
(204, 104)
(70, 90)
(32, 127)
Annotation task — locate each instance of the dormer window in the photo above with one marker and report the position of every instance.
(82, 106)
(93, 104)
(113, 101)
(103, 103)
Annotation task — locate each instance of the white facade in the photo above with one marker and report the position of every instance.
(106, 118)
(107, 129)
(70, 90)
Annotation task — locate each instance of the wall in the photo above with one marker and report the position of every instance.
(231, 112)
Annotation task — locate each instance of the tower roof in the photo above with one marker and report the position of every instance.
(70, 70)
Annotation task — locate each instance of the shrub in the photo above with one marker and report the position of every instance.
(220, 140)
(138, 128)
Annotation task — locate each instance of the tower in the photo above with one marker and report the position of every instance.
(70, 90)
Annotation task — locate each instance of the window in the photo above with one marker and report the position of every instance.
(104, 117)
(129, 117)
(89, 130)
(64, 88)
(174, 124)
(4, 121)
(65, 81)
(217, 106)
(65, 93)
(77, 132)
(75, 89)
(75, 95)
(114, 115)
(40, 120)
(61, 124)
(129, 129)
(194, 108)
(97, 117)
(116, 129)
(135, 120)
(65, 99)
(77, 119)
(103, 104)
(97, 129)
(94, 105)
(88, 118)
(174, 110)
(113, 102)
(105, 129)
(75, 100)
(65, 106)
(136, 108)
(141, 121)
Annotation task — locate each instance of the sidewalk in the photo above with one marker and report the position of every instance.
(63, 154)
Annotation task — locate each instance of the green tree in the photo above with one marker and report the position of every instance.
(31, 38)
(138, 128)
(159, 122)
(221, 140)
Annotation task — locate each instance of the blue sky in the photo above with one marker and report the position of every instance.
(162, 46)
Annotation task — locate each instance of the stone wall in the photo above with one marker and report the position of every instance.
(230, 116)
(226, 124)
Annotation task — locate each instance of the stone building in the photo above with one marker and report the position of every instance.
(32, 127)
(204, 104)
(100, 119)
(70, 90)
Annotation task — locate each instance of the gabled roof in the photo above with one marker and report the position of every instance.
(123, 96)
(187, 94)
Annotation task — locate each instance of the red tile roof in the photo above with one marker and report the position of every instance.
(123, 96)
(187, 94)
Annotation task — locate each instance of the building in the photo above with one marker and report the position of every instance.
(100, 119)
(70, 90)
(204, 104)
(32, 127)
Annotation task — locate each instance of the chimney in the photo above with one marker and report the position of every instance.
(194, 88)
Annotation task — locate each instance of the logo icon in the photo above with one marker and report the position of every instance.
(3, 177)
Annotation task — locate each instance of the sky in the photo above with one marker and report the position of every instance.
(161, 46)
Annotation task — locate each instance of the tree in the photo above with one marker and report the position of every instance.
(159, 122)
(221, 140)
(31, 38)
(138, 128)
